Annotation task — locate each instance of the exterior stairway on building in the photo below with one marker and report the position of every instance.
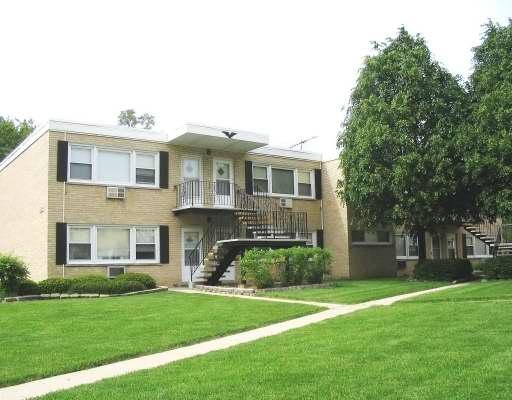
(494, 234)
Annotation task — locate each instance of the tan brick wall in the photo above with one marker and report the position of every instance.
(24, 207)
(335, 221)
(77, 203)
(372, 261)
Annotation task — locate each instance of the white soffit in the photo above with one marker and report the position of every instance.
(288, 153)
(218, 138)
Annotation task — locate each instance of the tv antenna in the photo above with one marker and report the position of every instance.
(303, 141)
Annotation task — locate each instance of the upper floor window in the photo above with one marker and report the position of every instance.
(115, 167)
(371, 237)
(283, 181)
(80, 163)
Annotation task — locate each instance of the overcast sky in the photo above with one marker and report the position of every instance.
(284, 68)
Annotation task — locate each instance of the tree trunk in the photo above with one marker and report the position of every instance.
(422, 244)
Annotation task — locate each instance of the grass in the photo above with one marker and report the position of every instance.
(45, 338)
(477, 291)
(356, 291)
(411, 350)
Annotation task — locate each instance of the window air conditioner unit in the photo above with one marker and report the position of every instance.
(285, 203)
(116, 192)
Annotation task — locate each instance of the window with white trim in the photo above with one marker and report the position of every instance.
(145, 169)
(112, 244)
(304, 178)
(283, 181)
(260, 179)
(112, 167)
(476, 248)
(80, 163)
(80, 243)
(406, 246)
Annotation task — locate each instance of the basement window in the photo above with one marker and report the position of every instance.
(112, 272)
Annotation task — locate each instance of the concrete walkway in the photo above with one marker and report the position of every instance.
(66, 381)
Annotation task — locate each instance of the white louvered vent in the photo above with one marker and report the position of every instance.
(285, 203)
(116, 192)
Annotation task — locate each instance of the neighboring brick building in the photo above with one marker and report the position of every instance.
(80, 199)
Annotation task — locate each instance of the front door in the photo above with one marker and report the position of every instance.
(223, 183)
(191, 252)
(192, 191)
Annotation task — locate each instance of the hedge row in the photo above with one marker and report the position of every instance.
(130, 282)
(497, 267)
(443, 270)
(294, 266)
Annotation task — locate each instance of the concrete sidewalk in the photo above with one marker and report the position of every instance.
(66, 381)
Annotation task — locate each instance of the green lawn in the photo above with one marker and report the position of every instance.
(355, 291)
(44, 338)
(477, 291)
(410, 350)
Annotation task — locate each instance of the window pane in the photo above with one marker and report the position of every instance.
(190, 169)
(259, 173)
(146, 161)
(413, 246)
(304, 177)
(191, 257)
(113, 244)
(357, 236)
(282, 181)
(145, 252)
(260, 186)
(80, 171)
(81, 155)
(145, 235)
(222, 170)
(145, 176)
(79, 251)
(480, 248)
(304, 189)
(80, 235)
(400, 245)
(113, 166)
(191, 240)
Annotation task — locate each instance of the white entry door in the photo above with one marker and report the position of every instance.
(223, 183)
(191, 252)
(192, 191)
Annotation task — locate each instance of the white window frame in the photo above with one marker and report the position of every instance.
(407, 245)
(91, 241)
(476, 256)
(191, 157)
(295, 181)
(94, 248)
(373, 243)
(133, 165)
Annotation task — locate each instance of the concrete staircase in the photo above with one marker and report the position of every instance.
(491, 234)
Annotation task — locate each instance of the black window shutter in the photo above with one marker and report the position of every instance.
(464, 248)
(164, 244)
(248, 177)
(318, 184)
(164, 169)
(61, 242)
(320, 238)
(62, 161)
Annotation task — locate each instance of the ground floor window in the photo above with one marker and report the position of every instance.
(475, 247)
(406, 246)
(371, 237)
(100, 244)
(436, 246)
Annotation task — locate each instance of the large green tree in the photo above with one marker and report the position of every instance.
(12, 132)
(402, 145)
(490, 88)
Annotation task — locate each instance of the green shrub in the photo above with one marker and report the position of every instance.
(498, 267)
(28, 287)
(293, 266)
(145, 279)
(443, 270)
(12, 272)
(55, 285)
(90, 284)
(118, 286)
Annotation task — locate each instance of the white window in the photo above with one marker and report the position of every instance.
(145, 169)
(79, 243)
(191, 169)
(113, 243)
(145, 245)
(260, 179)
(450, 245)
(406, 246)
(283, 181)
(80, 163)
(304, 178)
(371, 237)
(112, 167)
(98, 244)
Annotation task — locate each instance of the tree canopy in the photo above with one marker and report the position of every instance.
(129, 118)
(12, 133)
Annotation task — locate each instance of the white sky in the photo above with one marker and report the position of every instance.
(284, 68)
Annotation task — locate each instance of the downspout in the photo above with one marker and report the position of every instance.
(64, 205)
